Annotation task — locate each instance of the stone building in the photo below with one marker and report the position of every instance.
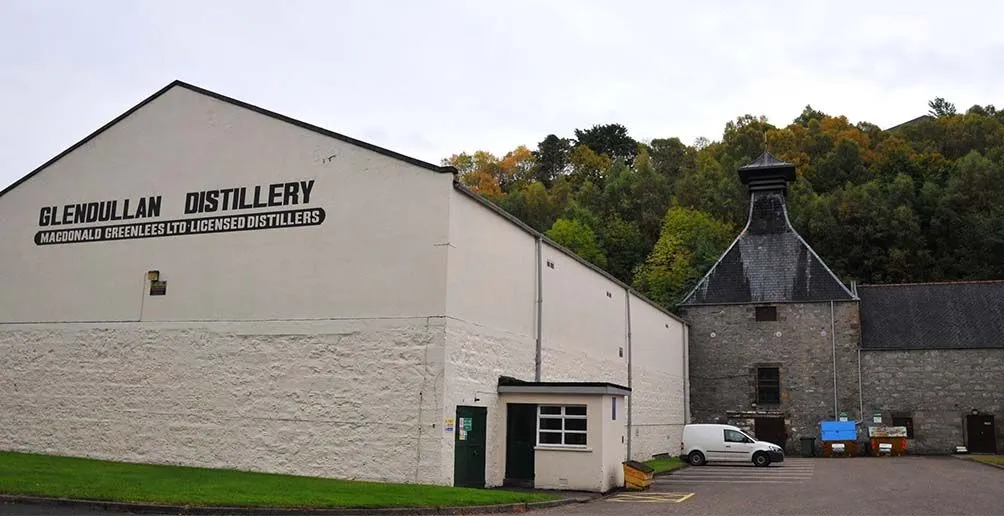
(779, 343)
(933, 360)
(205, 282)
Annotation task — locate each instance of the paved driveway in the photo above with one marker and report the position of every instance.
(844, 486)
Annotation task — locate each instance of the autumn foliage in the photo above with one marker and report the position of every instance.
(922, 201)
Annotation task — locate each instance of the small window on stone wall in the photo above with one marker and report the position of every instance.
(906, 421)
(768, 385)
(766, 313)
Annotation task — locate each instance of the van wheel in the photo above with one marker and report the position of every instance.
(696, 458)
(761, 459)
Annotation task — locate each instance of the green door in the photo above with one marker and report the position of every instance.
(469, 453)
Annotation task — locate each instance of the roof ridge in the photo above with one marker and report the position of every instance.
(239, 103)
(926, 283)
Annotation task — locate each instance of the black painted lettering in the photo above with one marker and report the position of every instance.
(153, 206)
(212, 200)
(243, 197)
(115, 211)
(104, 211)
(67, 214)
(44, 216)
(291, 194)
(79, 213)
(141, 209)
(92, 212)
(275, 194)
(306, 186)
(125, 210)
(257, 198)
(191, 203)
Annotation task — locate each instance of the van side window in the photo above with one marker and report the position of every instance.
(731, 436)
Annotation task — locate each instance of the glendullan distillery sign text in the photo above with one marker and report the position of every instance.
(144, 212)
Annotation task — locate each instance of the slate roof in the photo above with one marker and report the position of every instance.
(955, 315)
(768, 262)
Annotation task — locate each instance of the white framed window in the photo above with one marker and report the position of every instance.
(561, 425)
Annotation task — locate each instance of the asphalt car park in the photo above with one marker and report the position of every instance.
(839, 486)
(817, 486)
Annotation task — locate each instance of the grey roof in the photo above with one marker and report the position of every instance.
(768, 262)
(767, 161)
(954, 315)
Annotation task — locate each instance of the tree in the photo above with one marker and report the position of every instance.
(579, 238)
(611, 140)
(940, 107)
(588, 166)
(486, 174)
(553, 159)
(809, 114)
(691, 241)
(623, 246)
(671, 158)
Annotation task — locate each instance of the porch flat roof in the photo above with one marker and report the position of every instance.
(599, 388)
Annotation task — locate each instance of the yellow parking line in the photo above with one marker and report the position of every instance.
(651, 497)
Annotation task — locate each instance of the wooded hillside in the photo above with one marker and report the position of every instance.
(923, 201)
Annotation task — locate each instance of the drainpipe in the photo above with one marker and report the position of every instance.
(686, 374)
(627, 306)
(861, 397)
(540, 304)
(833, 340)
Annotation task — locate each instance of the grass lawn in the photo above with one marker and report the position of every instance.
(66, 477)
(663, 465)
(989, 459)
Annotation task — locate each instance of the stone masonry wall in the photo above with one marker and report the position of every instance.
(348, 399)
(937, 388)
(476, 356)
(726, 343)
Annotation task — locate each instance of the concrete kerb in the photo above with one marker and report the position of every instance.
(670, 472)
(144, 508)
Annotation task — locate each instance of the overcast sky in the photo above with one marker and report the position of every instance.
(433, 77)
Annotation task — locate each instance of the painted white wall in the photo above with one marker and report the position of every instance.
(491, 276)
(378, 253)
(614, 441)
(584, 329)
(589, 468)
(348, 399)
(491, 332)
(491, 318)
(658, 379)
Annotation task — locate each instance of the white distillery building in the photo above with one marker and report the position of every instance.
(204, 282)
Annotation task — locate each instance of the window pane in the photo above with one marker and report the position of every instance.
(550, 438)
(766, 313)
(768, 373)
(732, 436)
(575, 424)
(575, 411)
(547, 423)
(575, 439)
(768, 384)
(547, 409)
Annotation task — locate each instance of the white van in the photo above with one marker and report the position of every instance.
(703, 443)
